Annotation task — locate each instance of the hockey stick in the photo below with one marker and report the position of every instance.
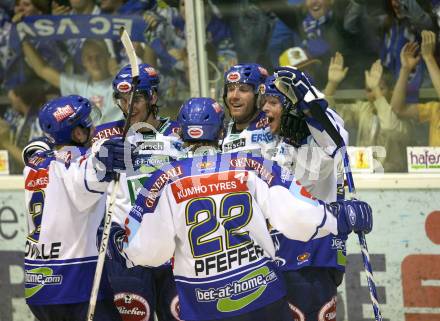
(108, 216)
(320, 115)
(323, 119)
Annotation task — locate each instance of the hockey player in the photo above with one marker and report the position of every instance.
(247, 130)
(140, 289)
(210, 212)
(63, 217)
(314, 269)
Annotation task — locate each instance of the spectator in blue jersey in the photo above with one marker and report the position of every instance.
(193, 209)
(64, 215)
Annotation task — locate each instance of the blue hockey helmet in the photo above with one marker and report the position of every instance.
(148, 80)
(60, 116)
(252, 74)
(268, 88)
(201, 119)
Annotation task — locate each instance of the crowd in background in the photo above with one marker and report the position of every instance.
(387, 47)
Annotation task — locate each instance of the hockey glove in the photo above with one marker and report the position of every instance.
(353, 215)
(109, 158)
(39, 144)
(296, 86)
(115, 243)
(293, 126)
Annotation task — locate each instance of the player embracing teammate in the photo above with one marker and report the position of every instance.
(210, 212)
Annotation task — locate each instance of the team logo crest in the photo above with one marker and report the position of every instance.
(262, 89)
(205, 165)
(195, 131)
(233, 76)
(124, 87)
(303, 257)
(132, 307)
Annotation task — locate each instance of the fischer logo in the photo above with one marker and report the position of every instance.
(195, 131)
(132, 307)
(124, 87)
(63, 112)
(233, 76)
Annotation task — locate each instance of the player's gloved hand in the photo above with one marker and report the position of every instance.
(39, 144)
(115, 243)
(109, 158)
(353, 215)
(293, 125)
(296, 86)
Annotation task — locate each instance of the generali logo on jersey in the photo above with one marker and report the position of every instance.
(107, 133)
(63, 112)
(36, 180)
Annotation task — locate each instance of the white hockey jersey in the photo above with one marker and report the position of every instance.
(154, 150)
(210, 213)
(314, 164)
(63, 218)
(256, 138)
(317, 166)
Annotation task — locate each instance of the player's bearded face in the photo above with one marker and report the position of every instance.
(240, 99)
(271, 105)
